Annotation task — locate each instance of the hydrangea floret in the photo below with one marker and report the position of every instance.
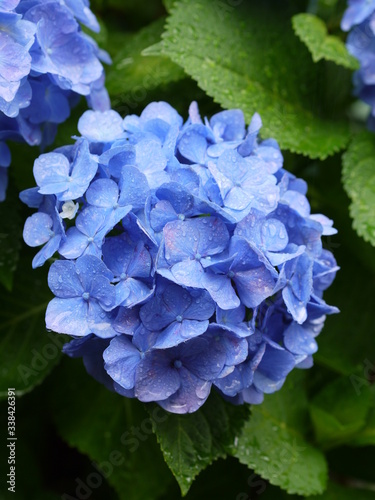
(359, 20)
(46, 62)
(189, 258)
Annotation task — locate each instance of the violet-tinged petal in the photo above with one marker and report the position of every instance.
(191, 395)
(120, 361)
(156, 377)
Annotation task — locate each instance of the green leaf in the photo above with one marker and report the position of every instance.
(273, 442)
(10, 238)
(334, 492)
(27, 352)
(191, 442)
(312, 31)
(168, 4)
(132, 76)
(359, 183)
(114, 431)
(366, 436)
(339, 411)
(246, 58)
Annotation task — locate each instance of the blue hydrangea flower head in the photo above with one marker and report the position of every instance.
(47, 61)
(190, 261)
(359, 18)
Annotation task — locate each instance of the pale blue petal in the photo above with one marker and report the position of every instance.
(68, 316)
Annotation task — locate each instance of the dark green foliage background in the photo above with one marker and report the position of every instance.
(316, 437)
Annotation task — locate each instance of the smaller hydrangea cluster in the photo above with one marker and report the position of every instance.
(190, 258)
(359, 18)
(46, 62)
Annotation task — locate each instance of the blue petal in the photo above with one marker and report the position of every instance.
(251, 138)
(300, 277)
(161, 214)
(235, 348)
(74, 245)
(51, 172)
(47, 251)
(275, 364)
(84, 169)
(252, 396)
(102, 193)
(120, 153)
(63, 280)
(254, 286)
(138, 292)
(203, 357)
(134, 187)
(15, 60)
(83, 13)
(272, 158)
(297, 202)
(156, 379)
(91, 220)
(37, 229)
(193, 145)
(99, 321)
(31, 197)
(163, 111)
(9, 4)
(180, 199)
(121, 359)
(179, 332)
(232, 384)
(99, 126)
(127, 320)
(191, 395)
(221, 290)
(230, 316)
(95, 278)
(201, 306)
(229, 125)
(123, 256)
(265, 384)
(151, 160)
(295, 306)
(298, 340)
(186, 273)
(68, 316)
